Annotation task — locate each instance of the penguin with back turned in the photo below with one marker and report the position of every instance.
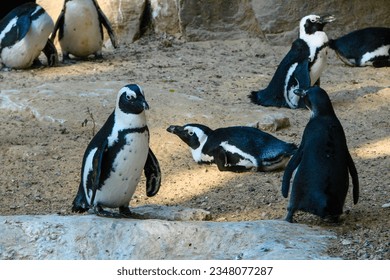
(115, 157)
(235, 148)
(321, 165)
(365, 47)
(300, 68)
(24, 34)
(80, 29)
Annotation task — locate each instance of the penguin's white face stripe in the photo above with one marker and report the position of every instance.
(197, 154)
(88, 167)
(382, 51)
(9, 26)
(291, 98)
(248, 161)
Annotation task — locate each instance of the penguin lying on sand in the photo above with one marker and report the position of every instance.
(307, 57)
(237, 148)
(364, 47)
(320, 166)
(24, 34)
(80, 29)
(115, 157)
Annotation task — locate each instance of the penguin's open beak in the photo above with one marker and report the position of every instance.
(326, 19)
(300, 92)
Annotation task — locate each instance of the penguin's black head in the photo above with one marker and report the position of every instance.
(316, 100)
(131, 99)
(313, 23)
(192, 134)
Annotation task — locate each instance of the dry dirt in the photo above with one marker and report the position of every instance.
(47, 118)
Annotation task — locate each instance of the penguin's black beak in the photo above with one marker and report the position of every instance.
(175, 129)
(300, 92)
(146, 105)
(326, 19)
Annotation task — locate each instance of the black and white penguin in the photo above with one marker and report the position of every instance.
(300, 68)
(320, 166)
(115, 157)
(292, 73)
(365, 47)
(24, 34)
(80, 29)
(311, 30)
(236, 148)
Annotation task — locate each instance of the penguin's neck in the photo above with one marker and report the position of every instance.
(315, 41)
(126, 121)
(197, 154)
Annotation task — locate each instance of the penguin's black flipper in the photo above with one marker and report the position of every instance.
(153, 174)
(59, 25)
(355, 179)
(290, 168)
(50, 52)
(94, 177)
(17, 32)
(106, 23)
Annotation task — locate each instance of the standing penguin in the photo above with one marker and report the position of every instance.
(235, 148)
(24, 34)
(364, 47)
(320, 166)
(292, 73)
(80, 26)
(115, 157)
(300, 68)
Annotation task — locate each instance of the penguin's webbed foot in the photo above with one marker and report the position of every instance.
(99, 211)
(125, 212)
(66, 59)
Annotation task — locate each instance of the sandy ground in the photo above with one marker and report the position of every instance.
(48, 115)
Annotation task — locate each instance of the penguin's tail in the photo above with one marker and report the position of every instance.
(80, 204)
(254, 96)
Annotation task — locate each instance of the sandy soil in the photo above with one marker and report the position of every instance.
(48, 115)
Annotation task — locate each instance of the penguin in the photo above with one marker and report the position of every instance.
(292, 73)
(365, 47)
(80, 30)
(114, 159)
(300, 68)
(320, 166)
(236, 148)
(24, 34)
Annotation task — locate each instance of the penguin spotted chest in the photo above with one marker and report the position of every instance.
(126, 169)
(81, 33)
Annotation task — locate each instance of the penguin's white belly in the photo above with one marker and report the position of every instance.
(128, 166)
(82, 35)
(318, 67)
(22, 54)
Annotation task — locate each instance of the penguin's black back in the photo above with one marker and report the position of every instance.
(355, 44)
(7, 5)
(273, 94)
(249, 140)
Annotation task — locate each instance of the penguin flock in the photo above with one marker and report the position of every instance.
(316, 172)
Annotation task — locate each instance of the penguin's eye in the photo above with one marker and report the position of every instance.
(128, 97)
(191, 133)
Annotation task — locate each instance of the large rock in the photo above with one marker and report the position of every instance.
(275, 20)
(92, 237)
(218, 19)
